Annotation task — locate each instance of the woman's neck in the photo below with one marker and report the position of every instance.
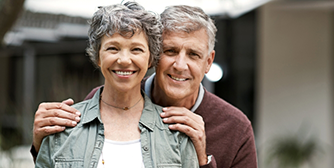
(117, 98)
(121, 124)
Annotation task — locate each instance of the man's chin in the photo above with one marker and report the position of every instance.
(176, 94)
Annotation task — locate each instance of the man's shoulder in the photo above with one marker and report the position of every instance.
(215, 108)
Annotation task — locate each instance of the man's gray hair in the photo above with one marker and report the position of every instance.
(188, 19)
(125, 19)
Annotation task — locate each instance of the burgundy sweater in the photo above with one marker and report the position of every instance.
(229, 133)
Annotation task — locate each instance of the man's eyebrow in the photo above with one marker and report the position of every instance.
(169, 46)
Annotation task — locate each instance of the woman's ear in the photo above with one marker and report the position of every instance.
(98, 62)
(150, 63)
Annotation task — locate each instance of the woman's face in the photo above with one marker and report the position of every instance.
(124, 61)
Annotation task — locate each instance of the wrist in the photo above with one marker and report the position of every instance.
(203, 160)
(36, 146)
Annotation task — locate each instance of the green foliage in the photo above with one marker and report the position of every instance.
(293, 151)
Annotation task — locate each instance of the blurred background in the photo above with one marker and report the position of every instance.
(275, 60)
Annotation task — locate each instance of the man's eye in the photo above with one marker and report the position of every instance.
(169, 52)
(194, 54)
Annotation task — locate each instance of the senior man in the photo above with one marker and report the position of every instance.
(222, 135)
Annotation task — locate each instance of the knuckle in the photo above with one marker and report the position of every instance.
(56, 113)
(37, 114)
(61, 105)
(200, 118)
(37, 122)
(186, 120)
(52, 121)
(47, 130)
(41, 105)
(73, 116)
(187, 129)
(67, 122)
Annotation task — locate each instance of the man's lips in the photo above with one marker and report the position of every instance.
(177, 78)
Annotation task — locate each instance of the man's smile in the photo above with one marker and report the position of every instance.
(177, 79)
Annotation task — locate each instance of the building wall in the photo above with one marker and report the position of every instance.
(295, 77)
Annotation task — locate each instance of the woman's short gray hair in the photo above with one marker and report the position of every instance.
(188, 19)
(125, 19)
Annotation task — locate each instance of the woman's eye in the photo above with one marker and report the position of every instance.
(112, 48)
(138, 50)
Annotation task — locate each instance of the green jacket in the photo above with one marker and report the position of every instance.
(82, 145)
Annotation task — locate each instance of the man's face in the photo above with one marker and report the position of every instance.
(183, 64)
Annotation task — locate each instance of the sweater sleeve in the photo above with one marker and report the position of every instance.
(246, 156)
(211, 164)
(33, 153)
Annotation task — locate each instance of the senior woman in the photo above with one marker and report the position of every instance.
(120, 126)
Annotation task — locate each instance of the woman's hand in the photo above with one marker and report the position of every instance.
(183, 120)
(51, 118)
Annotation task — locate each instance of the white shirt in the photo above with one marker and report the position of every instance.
(125, 154)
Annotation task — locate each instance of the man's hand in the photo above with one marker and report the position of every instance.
(51, 118)
(183, 120)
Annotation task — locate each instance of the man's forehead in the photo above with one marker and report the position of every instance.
(172, 39)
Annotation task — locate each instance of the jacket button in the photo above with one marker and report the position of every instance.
(145, 148)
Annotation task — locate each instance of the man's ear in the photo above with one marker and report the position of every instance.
(210, 59)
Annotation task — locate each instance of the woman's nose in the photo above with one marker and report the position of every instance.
(124, 58)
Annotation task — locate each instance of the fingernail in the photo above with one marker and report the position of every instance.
(77, 118)
(74, 123)
(163, 114)
(165, 119)
(78, 113)
(165, 108)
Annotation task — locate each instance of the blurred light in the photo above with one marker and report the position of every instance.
(86, 8)
(215, 73)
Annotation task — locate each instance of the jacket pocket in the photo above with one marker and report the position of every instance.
(170, 165)
(69, 164)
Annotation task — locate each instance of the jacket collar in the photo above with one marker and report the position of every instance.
(93, 108)
(147, 119)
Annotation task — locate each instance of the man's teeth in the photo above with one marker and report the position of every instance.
(124, 73)
(178, 79)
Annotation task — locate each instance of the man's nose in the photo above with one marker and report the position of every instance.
(180, 62)
(124, 58)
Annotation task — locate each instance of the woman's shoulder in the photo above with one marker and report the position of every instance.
(81, 106)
